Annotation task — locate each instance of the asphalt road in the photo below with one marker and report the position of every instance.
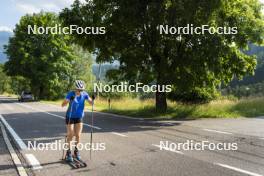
(132, 145)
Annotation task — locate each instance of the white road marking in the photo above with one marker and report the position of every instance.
(20, 169)
(110, 114)
(167, 124)
(105, 113)
(84, 124)
(18, 140)
(33, 162)
(238, 169)
(119, 134)
(216, 131)
(42, 139)
(119, 116)
(95, 127)
(55, 115)
(168, 149)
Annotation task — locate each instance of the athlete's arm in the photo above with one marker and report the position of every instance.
(90, 100)
(65, 102)
(68, 98)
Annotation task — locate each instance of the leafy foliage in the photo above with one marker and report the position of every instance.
(194, 64)
(48, 61)
(4, 81)
(82, 67)
(258, 77)
(13, 85)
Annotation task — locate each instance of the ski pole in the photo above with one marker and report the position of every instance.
(91, 139)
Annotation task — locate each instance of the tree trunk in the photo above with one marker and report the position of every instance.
(41, 91)
(161, 103)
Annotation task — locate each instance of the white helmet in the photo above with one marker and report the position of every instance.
(79, 84)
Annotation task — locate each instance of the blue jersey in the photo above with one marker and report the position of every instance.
(76, 105)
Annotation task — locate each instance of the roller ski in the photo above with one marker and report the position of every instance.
(74, 160)
(77, 158)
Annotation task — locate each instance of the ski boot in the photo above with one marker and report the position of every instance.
(77, 154)
(68, 157)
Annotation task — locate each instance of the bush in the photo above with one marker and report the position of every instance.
(197, 95)
(252, 90)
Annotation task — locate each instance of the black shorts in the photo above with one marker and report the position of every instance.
(73, 120)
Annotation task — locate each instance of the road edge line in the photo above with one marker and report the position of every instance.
(15, 136)
(19, 167)
(33, 162)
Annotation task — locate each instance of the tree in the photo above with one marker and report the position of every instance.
(193, 64)
(258, 77)
(46, 60)
(82, 66)
(12, 85)
(18, 84)
(4, 81)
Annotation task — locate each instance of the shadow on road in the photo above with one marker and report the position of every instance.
(45, 128)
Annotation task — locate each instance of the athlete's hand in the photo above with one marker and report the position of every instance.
(90, 100)
(64, 103)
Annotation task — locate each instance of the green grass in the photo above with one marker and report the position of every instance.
(54, 102)
(9, 95)
(222, 108)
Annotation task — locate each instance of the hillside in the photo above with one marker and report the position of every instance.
(4, 37)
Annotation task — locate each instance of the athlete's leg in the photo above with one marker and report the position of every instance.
(70, 134)
(77, 132)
